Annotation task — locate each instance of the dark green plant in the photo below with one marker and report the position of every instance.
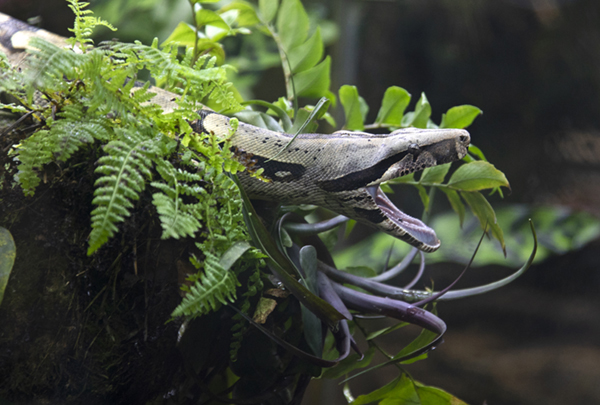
(90, 99)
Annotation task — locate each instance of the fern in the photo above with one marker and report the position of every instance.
(177, 218)
(124, 168)
(84, 25)
(34, 153)
(212, 288)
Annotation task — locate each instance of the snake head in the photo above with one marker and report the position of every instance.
(357, 193)
(343, 171)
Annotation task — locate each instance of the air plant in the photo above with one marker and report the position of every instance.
(307, 270)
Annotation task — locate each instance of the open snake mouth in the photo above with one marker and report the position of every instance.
(417, 233)
(391, 219)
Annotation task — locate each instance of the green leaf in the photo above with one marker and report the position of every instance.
(8, 253)
(183, 34)
(312, 325)
(398, 391)
(362, 271)
(349, 364)
(246, 16)
(232, 254)
(435, 174)
(485, 213)
(259, 119)
(385, 331)
(208, 17)
(395, 100)
(215, 287)
(282, 266)
(435, 396)
(307, 54)
(477, 175)
(315, 81)
(301, 119)
(292, 24)
(460, 117)
(406, 391)
(456, 203)
(477, 152)
(422, 113)
(423, 195)
(352, 109)
(268, 9)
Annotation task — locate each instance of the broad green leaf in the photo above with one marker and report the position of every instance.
(205, 1)
(259, 119)
(422, 113)
(232, 254)
(477, 152)
(292, 24)
(404, 179)
(399, 391)
(268, 9)
(350, 101)
(349, 227)
(456, 203)
(477, 175)
(395, 100)
(184, 34)
(301, 118)
(459, 117)
(212, 48)
(485, 213)
(435, 174)
(312, 324)
(208, 17)
(423, 195)
(8, 253)
(246, 16)
(405, 391)
(315, 81)
(280, 108)
(307, 54)
(424, 338)
(435, 396)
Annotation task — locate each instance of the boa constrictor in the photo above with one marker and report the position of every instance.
(340, 171)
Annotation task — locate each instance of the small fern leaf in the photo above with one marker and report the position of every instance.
(123, 170)
(175, 222)
(34, 152)
(214, 288)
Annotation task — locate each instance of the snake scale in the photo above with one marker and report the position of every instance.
(340, 171)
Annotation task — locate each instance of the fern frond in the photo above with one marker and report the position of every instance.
(52, 63)
(34, 152)
(177, 218)
(174, 220)
(84, 24)
(127, 161)
(214, 287)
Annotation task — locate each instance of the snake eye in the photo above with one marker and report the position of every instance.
(414, 149)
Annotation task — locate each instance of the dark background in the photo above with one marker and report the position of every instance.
(533, 67)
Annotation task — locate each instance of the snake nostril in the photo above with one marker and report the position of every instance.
(464, 138)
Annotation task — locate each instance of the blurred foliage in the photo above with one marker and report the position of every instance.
(559, 230)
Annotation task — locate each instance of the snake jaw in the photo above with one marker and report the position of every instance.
(415, 231)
